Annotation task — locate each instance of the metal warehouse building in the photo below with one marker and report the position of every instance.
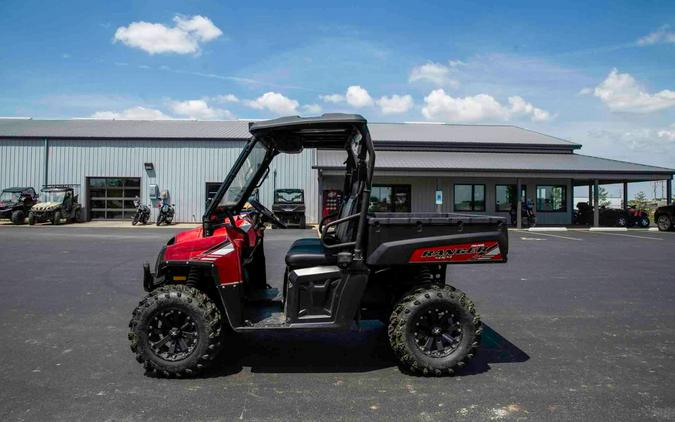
(419, 166)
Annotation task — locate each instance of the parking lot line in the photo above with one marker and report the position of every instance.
(557, 235)
(626, 235)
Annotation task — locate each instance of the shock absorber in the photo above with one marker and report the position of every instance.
(424, 275)
(193, 277)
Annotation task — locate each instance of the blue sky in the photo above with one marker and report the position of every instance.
(602, 74)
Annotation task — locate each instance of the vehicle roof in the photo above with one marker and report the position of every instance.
(56, 189)
(17, 189)
(289, 190)
(292, 133)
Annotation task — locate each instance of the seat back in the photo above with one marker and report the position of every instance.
(344, 232)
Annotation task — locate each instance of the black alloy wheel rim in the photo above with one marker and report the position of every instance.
(172, 334)
(437, 331)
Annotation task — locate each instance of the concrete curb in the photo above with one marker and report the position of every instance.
(653, 229)
(547, 229)
(608, 229)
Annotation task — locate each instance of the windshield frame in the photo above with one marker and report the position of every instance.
(215, 207)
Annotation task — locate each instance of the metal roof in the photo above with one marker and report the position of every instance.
(383, 134)
(490, 162)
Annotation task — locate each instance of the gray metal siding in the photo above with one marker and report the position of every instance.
(182, 168)
(21, 163)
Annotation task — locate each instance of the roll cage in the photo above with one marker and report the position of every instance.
(291, 135)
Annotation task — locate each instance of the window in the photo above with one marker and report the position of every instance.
(551, 198)
(389, 198)
(112, 197)
(505, 197)
(469, 198)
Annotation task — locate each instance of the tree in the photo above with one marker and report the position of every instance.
(603, 197)
(640, 200)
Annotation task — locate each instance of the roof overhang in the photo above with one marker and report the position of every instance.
(582, 169)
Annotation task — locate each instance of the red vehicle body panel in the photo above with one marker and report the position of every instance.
(222, 250)
(465, 252)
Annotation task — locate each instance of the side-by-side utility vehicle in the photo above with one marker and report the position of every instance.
(59, 204)
(289, 207)
(15, 203)
(209, 283)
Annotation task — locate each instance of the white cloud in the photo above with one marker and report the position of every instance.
(585, 91)
(312, 109)
(435, 73)
(199, 110)
(358, 97)
(520, 107)
(227, 98)
(332, 98)
(395, 104)
(481, 107)
(274, 102)
(155, 38)
(620, 92)
(667, 134)
(661, 36)
(134, 113)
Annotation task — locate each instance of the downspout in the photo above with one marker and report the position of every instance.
(46, 176)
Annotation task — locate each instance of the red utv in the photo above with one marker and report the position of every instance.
(211, 281)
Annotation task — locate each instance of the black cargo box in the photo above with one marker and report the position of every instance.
(393, 238)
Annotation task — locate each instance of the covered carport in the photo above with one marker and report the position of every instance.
(491, 168)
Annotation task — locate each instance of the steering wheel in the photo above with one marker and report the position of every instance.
(266, 213)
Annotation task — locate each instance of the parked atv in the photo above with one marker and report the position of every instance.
(210, 281)
(638, 218)
(289, 206)
(609, 217)
(142, 212)
(166, 213)
(15, 203)
(59, 204)
(664, 217)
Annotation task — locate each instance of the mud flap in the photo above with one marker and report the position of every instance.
(148, 278)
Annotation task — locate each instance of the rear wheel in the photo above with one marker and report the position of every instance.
(434, 330)
(621, 221)
(303, 222)
(160, 218)
(664, 223)
(31, 218)
(135, 220)
(644, 222)
(18, 217)
(175, 331)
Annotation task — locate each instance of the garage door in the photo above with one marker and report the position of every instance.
(112, 198)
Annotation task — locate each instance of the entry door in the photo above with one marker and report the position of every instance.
(112, 198)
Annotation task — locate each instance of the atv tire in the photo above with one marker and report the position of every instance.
(18, 217)
(135, 220)
(160, 219)
(195, 330)
(434, 330)
(56, 218)
(31, 219)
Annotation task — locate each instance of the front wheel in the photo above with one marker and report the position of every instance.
(31, 218)
(160, 218)
(56, 218)
(175, 331)
(135, 220)
(664, 223)
(644, 222)
(621, 221)
(434, 330)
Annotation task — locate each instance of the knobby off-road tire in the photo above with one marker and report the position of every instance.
(426, 310)
(135, 220)
(56, 218)
(18, 217)
(31, 218)
(192, 346)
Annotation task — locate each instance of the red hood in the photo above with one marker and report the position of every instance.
(190, 243)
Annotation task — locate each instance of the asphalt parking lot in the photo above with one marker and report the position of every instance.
(580, 326)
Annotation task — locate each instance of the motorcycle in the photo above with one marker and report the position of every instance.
(526, 213)
(166, 213)
(637, 217)
(142, 212)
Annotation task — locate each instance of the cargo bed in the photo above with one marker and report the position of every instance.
(443, 238)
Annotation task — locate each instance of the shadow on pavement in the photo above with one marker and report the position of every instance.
(361, 350)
